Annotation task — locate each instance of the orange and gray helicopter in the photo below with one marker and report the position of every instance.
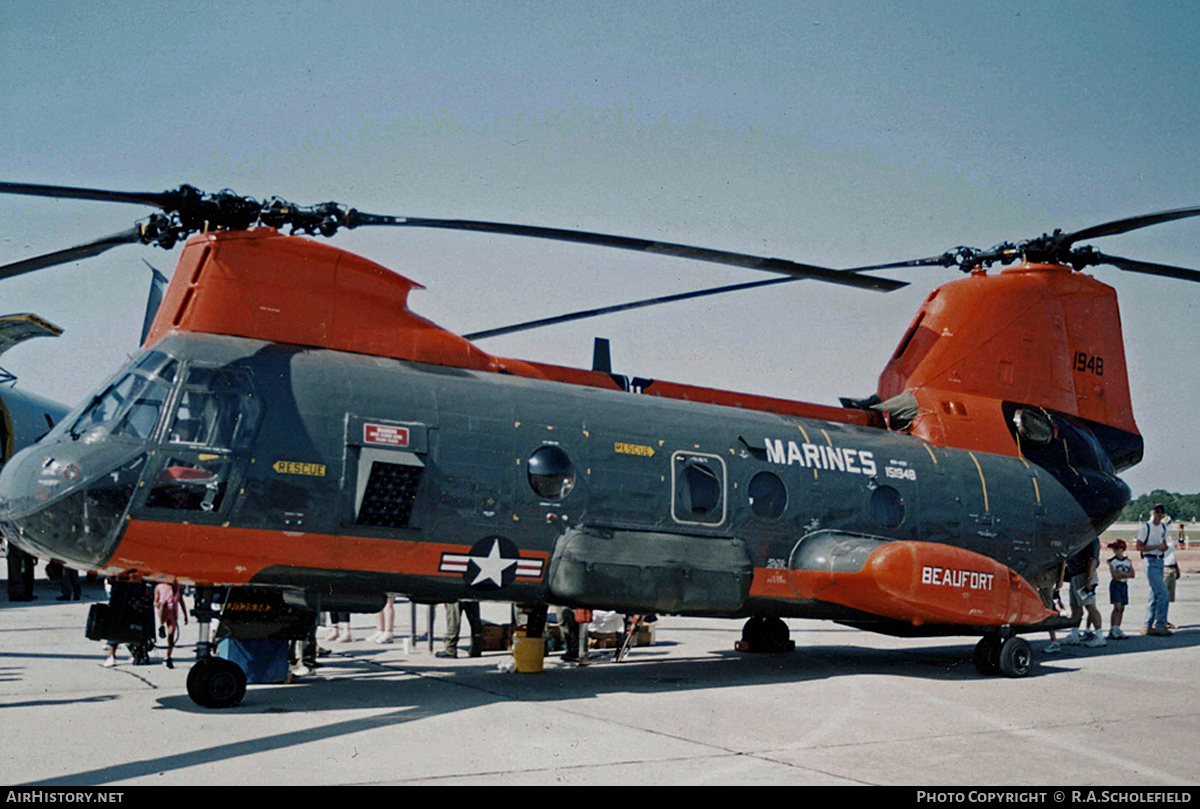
(291, 428)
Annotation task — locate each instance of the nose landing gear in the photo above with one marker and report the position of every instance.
(215, 682)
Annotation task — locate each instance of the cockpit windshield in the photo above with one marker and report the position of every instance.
(132, 404)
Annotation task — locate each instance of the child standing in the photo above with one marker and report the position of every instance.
(1122, 571)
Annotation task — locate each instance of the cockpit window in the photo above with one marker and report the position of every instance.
(131, 403)
(141, 417)
(129, 406)
(157, 363)
(217, 409)
(104, 407)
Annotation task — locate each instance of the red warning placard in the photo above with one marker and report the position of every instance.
(385, 435)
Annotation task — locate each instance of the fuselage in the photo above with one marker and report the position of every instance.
(223, 460)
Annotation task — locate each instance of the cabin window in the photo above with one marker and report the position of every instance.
(551, 473)
(887, 507)
(768, 496)
(699, 484)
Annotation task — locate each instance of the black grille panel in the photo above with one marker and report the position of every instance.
(390, 494)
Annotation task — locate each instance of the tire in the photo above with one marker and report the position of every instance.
(216, 683)
(1016, 657)
(752, 629)
(776, 633)
(987, 656)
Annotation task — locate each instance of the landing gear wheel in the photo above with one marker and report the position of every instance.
(987, 655)
(216, 683)
(765, 635)
(1016, 657)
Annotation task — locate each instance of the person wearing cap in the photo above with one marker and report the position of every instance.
(1153, 543)
(1120, 567)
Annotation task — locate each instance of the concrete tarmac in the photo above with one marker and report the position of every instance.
(847, 707)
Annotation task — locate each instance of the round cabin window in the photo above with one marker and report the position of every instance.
(887, 507)
(551, 473)
(768, 497)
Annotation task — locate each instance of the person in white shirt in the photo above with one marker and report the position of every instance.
(1120, 567)
(1153, 543)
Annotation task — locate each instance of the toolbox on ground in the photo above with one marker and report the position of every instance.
(496, 638)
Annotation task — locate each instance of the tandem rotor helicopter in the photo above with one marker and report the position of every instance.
(291, 428)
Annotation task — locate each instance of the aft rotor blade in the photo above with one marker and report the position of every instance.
(944, 260)
(131, 236)
(162, 199)
(1131, 223)
(1149, 267)
(621, 307)
(750, 262)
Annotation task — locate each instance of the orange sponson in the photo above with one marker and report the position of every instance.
(928, 583)
(201, 554)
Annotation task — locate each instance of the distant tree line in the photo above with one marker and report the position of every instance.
(1181, 507)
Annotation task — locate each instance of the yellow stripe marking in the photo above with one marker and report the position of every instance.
(982, 480)
(804, 433)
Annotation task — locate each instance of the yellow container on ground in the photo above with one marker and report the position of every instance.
(528, 653)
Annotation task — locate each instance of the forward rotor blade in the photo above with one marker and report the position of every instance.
(680, 296)
(750, 262)
(131, 236)
(621, 307)
(164, 199)
(1131, 223)
(1150, 268)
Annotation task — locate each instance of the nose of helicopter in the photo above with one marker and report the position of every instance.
(66, 500)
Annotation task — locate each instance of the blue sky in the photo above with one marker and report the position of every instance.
(837, 133)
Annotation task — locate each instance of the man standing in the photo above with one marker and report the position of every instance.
(455, 612)
(21, 568)
(1081, 568)
(1153, 543)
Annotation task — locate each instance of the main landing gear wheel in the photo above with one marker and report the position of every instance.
(215, 682)
(1016, 657)
(1012, 657)
(765, 635)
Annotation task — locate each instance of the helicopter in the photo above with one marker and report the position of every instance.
(292, 434)
(24, 418)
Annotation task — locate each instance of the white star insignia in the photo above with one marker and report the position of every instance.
(492, 566)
